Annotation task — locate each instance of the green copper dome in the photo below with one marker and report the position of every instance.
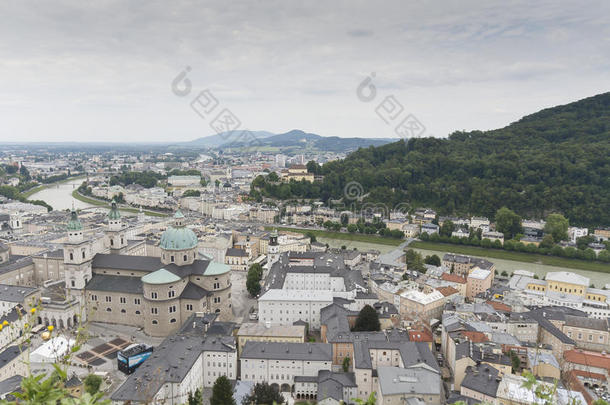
(178, 237)
(74, 223)
(114, 213)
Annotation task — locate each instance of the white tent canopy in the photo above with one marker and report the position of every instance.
(51, 350)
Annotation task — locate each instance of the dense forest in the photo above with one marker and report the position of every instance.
(556, 160)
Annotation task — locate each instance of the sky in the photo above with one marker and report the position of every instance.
(104, 70)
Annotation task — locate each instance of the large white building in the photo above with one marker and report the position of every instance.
(279, 363)
(284, 307)
(182, 363)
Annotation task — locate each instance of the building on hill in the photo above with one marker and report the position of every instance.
(462, 265)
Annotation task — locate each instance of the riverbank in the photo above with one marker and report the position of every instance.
(514, 256)
(34, 190)
(352, 237)
(102, 203)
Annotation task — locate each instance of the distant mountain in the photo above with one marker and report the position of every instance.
(214, 141)
(296, 140)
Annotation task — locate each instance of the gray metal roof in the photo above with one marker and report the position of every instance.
(410, 381)
(126, 262)
(171, 361)
(10, 353)
(331, 385)
(124, 284)
(287, 351)
(193, 292)
(483, 379)
(15, 293)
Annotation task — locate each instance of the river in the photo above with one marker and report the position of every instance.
(597, 278)
(59, 196)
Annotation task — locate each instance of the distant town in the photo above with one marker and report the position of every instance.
(167, 277)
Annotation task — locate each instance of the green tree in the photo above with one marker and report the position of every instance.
(311, 235)
(371, 400)
(92, 384)
(557, 225)
(196, 398)
(433, 260)
(263, 394)
(191, 193)
(253, 284)
(547, 241)
(508, 222)
(515, 361)
(222, 392)
(447, 228)
(367, 320)
(346, 361)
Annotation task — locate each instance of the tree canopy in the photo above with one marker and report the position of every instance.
(368, 320)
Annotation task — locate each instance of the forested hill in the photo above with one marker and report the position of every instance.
(556, 160)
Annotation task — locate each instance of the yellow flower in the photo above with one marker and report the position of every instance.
(5, 323)
(33, 310)
(50, 328)
(1, 327)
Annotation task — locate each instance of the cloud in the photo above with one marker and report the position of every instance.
(105, 68)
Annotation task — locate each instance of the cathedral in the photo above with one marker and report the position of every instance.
(155, 293)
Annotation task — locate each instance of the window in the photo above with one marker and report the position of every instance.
(123, 300)
(173, 320)
(172, 309)
(123, 311)
(171, 294)
(154, 311)
(108, 299)
(154, 322)
(189, 307)
(185, 258)
(136, 301)
(73, 283)
(171, 258)
(137, 312)
(93, 297)
(71, 256)
(83, 254)
(216, 286)
(153, 295)
(108, 310)
(111, 242)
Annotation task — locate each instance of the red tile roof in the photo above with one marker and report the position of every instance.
(591, 359)
(454, 278)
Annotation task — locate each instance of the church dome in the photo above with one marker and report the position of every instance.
(178, 237)
(74, 223)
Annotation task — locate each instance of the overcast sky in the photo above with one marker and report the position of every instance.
(102, 71)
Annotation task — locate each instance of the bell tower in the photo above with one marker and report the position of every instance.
(77, 255)
(117, 239)
(273, 249)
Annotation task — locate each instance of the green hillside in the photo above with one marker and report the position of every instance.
(556, 160)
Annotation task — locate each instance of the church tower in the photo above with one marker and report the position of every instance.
(273, 249)
(117, 239)
(77, 255)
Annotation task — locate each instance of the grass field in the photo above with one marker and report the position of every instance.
(101, 203)
(516, 256)
(357, 237)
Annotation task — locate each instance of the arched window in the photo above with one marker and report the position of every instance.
(154, 322)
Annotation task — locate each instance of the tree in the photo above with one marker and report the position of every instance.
(196, 398)
(368, 320)
(504, 273)
(255, 275)
(547, 241)
(92, 384)
(346, 361)
(263, 394)
(191, 193)
(557, 225)
(222, 392)
(508, 222)
(447, 228)
(515, 361)
(311, 235)
(371, 400)
(433, 260)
